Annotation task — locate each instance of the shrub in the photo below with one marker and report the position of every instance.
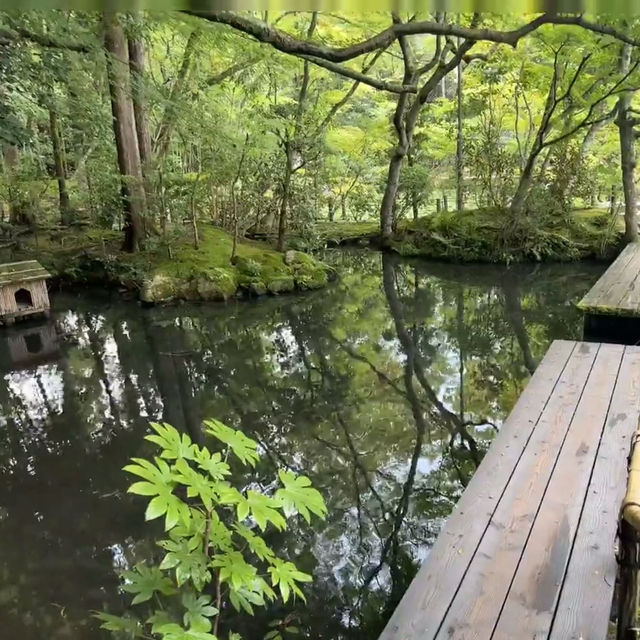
(214, 553)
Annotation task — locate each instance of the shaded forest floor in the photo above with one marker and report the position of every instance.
(484, 236)
(170, 268)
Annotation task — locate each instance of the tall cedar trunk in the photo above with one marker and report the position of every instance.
(133, 197)
(627, 153)
(170, 115)
(11, 157)
(459, 143)
(59, 163)
(136, 67)
(282, 218)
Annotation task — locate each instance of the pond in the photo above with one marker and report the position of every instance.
(385, 389)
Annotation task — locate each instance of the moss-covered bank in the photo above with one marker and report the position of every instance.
(489, 236)
(173, 269)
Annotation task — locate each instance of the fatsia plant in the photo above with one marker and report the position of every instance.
(214, 554)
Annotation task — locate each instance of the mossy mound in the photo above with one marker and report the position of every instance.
(491, 236)
(174, 269)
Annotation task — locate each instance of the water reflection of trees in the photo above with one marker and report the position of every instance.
(384, 390)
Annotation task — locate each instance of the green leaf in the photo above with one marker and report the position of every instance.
(255, 542)
(144, 581)
(173, 631)
(189, 561)
(130, 627)
(244, 448)
(285, 575)
(196, 483)
(234, 569)
(262, 509)
(173, 444)
(198, 611)
(158, 619)
(212, 463)
(298, 496)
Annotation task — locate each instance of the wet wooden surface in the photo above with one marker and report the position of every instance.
(529, 550)
(617, 292)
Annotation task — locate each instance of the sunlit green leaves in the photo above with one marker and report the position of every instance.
(298, 496)
(262, 509)
(210, 527)
(144, 581)
(173, 444)
(284, 575)
(244, 448)
(255, 543)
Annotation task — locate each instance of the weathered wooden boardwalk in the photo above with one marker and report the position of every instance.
(617, 292)
(529, 551)
(612, 305)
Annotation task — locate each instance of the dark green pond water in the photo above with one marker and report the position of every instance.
(385, 389)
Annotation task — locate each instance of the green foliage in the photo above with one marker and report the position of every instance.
(213, 544)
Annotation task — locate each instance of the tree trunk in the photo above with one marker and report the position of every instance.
(524, 185)
(133, 197)
(59, 163)
(284, 204)
(414, 194)
(627, 153)
(459, 147)
(390, 194)
(11, 156)
(137, 70)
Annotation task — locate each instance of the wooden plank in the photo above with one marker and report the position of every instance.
(426, 601)
(477, 603)
(531, 601)
(585, 601)
(618, 293)
(593, 298)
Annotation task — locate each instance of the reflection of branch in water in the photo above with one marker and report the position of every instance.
(513, 311)
(453, 422)
(356, 356)
(359, 465)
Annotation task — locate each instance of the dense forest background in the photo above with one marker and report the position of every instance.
(144, 122)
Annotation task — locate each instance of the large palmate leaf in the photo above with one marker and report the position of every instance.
(144, 581)
(263, 510)
(244, 448)
(298, 496)
(284, 575)
(128, 627)
(173, 444)
(198, 611)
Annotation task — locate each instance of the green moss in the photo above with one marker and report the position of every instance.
(281, 284)
(174, 269)
(490, 235)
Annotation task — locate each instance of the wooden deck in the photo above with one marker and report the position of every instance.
(529, 551)
(617, 292)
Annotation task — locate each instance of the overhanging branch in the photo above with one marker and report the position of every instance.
(9, 37)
